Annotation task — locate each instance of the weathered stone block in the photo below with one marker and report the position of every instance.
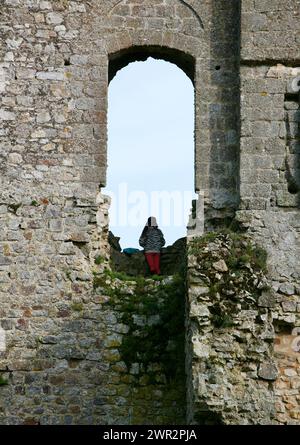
(267, 299)
(50, 75)
(53, 85)
(7, 115)
(287, 289)
(54, 18)
(268, 371)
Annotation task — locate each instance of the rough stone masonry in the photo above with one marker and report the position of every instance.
(62, 361)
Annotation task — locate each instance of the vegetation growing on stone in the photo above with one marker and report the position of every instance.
(160, 302)
(220, 318)
(77, 307)
(242, 274)
(197, 243)
(100, 280)
(231, 333)
(152, 349)
(68, 274)
(3, 381)
(240, 250)
(99, 260)
(162, 341)
(14, 207)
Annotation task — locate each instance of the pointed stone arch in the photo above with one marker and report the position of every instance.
(126, 35)
(123, 48)
(123, 57)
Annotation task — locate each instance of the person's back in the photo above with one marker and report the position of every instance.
(152, 240)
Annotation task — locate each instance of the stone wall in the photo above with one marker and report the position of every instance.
(253, 358)
(288, 384)
(270, 137)
(172, 260)
(279, 232)
(270, 30)
(270, 171)
(230, 363)
(54, 76)
(56, 60)
(262, 330)
(144, 342)
(70, 324)
(111, 356)
(48, 311)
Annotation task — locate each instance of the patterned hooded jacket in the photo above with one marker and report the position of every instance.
(152, 239)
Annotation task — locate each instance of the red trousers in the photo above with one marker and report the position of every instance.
(153, 260)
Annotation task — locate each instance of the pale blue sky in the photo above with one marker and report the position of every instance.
(150, 149)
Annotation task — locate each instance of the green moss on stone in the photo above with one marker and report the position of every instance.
(196, 245)
(99, 260)
(241, 251)
(77, 307)
(153, 311)
(14, 207)
(68, 274)
(159, 339)
(3, 381)
(246, 264)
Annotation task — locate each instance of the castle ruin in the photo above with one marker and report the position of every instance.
(78, 343)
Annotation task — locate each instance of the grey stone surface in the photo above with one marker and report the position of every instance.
(56, 59)
(229, 336)
(270, 30)
(268, 371)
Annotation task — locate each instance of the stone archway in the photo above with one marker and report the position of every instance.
(121, 58)
(68, 333)
(172, 191)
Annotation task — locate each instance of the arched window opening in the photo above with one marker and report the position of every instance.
(122, 58)
(150, 148)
